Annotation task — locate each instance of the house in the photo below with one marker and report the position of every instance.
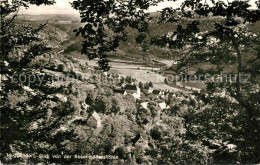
(84, 106)
(163, 106)
(61, 97)
(144, 105)
(84, 109)
(166, 94)
(176, 62)
(94, 121)
(183, 109)
(3, 78)
(142, 142)
(181, 98)
(123, 85)
(157, 92)
(148, 89)
(105, 73)
(28, 89)
(134, 90)
(186, 95)
(120, 91)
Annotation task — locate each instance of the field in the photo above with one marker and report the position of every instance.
(138, 71)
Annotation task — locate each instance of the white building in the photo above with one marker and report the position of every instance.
(134, 90)
(94, 120)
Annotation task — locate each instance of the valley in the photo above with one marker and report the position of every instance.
(162, 88)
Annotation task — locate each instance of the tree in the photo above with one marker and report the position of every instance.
(174, 109)
(27, 100)
(227, 41)
(129, 79)
(91, 96)
(150, 84)
(154, 108)
(166, 81)
(218, 33)
(156, 134)
(143, 116)
(141, 85)
(121, 152)
(102, 104)
(117, 104)
(172, 146)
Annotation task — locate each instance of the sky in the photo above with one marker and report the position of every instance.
(64, 7)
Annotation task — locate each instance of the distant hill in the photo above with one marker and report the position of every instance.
(58, 35)
(61, 36)
(50, 17)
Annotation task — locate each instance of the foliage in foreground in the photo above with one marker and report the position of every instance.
(229, 43)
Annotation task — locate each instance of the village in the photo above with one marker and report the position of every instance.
(143, 95)
(130, 82)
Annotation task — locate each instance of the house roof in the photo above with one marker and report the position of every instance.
(61, 97)
(130, 87)
(3, 77)
(147, 87)
(96, 116)
(122, 91)
(166, 93)
(85, 106)
(156, 92)
(163, 105)
(136, 96)
(181, 98)
(185, 94)
(144, 105)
